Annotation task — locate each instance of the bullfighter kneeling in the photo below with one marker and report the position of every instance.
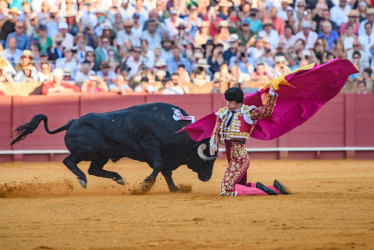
(233, 127)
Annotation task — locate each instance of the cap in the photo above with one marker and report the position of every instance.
(267, 22)
(128, 23)
(136, 15)
(233, 38)
(27, 53)
(246, 22)
(160, 63)
(58, 37)
(100, 10)
(210, 41)
(67, 72)
(92, 77)
(306, 24)
(63, 25)
(70, 13)
(53, 9)
(42, 27)
(370, 11)
(225, 3)
(280, 59)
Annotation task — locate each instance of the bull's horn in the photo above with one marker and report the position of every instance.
(200, 150)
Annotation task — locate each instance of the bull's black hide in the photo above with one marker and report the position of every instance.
(143, 132)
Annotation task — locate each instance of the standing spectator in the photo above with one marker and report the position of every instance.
(57, 85)
(339, 13)
(8, 24)
(23, 41)
(245, 33)
(177, 59)
(367, 40)
(101, 52)
(68, 61)
(269, 34)
(153, 37)
(94, 85)
(310, 37)
(11, 53)
(328, 34)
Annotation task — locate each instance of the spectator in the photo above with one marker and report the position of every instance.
(87, 15)
(202, 35)
(106, 73)
(326, 16)
(153, 37)
(202, 83)
(223, 35)
(216, 88)
(83, 73)
(172, 23)
(256, 24)
(120, 86)
(348, 37)
(282, 10)
(43, 39)
(3, 9)
(339, 13)
(182, 37)
(101, 52)
(310, 37)
(145, 87)
(291, 20)
(67, 76)
(166, 50)
(320, 47)
(277, 22)
(362, 9)
(184, 79)
(27, 74)
(68, 61)
(356, 62)
(353, 20)
(328, 34)
(254, 53)
(26, 60)
(11, 53)
(23, 41)
(366, 76)
(281, 67)
(81, 47)
(224, 76)
(6, 70)
(161, 76)
(245, 33)
(57, 85)
(68, 38)
(232, 50)
(70, 18)
(43, 11)
(134, 62)
(293, 62)
(35, 49)
(288, 39)
(269, 34)
(8, 24)
(126, 38)
(367, 39)
(208, 48)
(260, 76)
(45, 74)
(52, 22)
(137, 28)
(56, 51)
(364, 56)
(245, 11)
(361, 87)
(147, 55)
(177, 59)
(173, 87)
(217, 57)
(94, 85)
(31, 25)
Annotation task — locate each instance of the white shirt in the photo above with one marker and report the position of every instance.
(123, 36)
(134, 66)
(68, 41)
(312, 38)
(63, 64)
(272, 38)
(153, 41)
(340, 16)
(367, 41)
(12, 58)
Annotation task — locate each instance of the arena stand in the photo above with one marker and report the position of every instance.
(341, 129)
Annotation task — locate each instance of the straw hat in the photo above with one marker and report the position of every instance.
(203, 63)
(27, 53)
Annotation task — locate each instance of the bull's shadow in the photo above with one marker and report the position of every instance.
(144, 132)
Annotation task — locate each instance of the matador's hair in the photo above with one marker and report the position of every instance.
(234, 94)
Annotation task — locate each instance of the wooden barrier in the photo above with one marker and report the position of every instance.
(345, 122)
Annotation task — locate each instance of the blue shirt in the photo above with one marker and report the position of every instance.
(173, 64)
(256, 25)
(330, 39)
(23, 42)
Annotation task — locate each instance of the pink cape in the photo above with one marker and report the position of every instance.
(309, 91)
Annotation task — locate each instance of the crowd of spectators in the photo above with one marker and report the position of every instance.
(178, 46)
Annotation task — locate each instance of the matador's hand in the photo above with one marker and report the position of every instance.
(213, 150)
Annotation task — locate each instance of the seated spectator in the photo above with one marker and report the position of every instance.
(216, 88)
(11, 53)
(6, 70)
(161, 76)
(166, 50)
(23, 41)
(226, 79)
(240, 65)
(182, 36)
(339, 13)
(57, 85)
(27, 74)
(68, 61)
(134, 62)
(353, 20)
(67, 76)
(145, 87)
(52, 21)
(293, 61)
(269, 34)
(176, 59)
(35, 50)
(173, 87)
(147, 55)
(120, 86)
(328, 34)
(56, 51)
(101, 52)
(94, 84)
(172, 22)
(288, 39)
(83, 73)
(26, 60)
(320, 47)
(202, 83)
(256, 24)
(42, 38)
(260, 76)
(154, 38)
(232, 50)
(245, 33)
(277, 21)
(81, 47)
(126, 38)
(307, 35)
(254, 53)
(366, 76)
(361, 87)
(203, 34)
(8, 25)
(216, 60)
(223, 35)
(281, 67)
(106, 73)
(45, 73)
(184, 79)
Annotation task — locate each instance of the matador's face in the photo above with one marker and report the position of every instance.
(233, 105)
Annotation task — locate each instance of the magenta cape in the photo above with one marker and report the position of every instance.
(310, 89)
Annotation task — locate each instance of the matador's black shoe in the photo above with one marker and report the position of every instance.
(282, 188)
(264, 188)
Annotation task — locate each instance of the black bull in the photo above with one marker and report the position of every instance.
(144, 132)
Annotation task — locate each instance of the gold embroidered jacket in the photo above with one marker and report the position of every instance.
(243, 121)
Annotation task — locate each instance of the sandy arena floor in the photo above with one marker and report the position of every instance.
(42, 206)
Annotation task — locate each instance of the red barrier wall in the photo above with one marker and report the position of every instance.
(346, 121)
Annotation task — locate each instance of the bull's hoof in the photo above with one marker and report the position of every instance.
(83, 183)
(148, 183)
(120, 181)
(175, 189)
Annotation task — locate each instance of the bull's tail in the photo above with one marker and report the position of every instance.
(23, 130)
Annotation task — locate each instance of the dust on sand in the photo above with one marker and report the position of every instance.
(44, 207)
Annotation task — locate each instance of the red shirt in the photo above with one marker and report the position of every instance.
(49, 85)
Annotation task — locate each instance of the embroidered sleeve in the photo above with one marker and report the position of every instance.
(247, 114)
(214, 139)
(265, 110)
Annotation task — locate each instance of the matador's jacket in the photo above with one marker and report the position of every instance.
(234, 135)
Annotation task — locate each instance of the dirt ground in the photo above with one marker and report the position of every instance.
(42, 206)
